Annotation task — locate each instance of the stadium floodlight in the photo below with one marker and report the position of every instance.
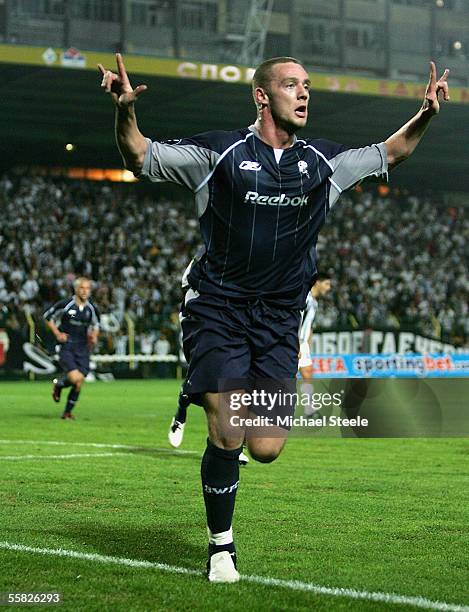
(257, 25)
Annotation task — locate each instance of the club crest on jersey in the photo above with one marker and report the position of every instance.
(250, 165)
(72, 313)
(303, 168)
(280, 200)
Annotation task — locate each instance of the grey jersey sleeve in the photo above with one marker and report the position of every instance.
(353, 165)
(185, 164)
(54, 313)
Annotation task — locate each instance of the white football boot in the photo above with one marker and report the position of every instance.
(222, 568)
(176, 433)
(243, 459)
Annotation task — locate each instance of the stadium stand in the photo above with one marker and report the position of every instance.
(401, 260)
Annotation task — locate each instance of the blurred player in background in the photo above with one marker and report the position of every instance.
(321, 287)
(178, 424)
(262, 196)
(74, 322)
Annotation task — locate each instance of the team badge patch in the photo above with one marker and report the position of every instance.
(303, 168)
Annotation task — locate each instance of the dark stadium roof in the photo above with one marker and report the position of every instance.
(44, 108)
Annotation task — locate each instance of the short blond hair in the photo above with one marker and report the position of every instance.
(263, 73)
(80, 280)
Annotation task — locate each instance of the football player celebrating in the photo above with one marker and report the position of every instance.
(262, 196)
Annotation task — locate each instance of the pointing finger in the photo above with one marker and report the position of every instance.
(121, 67)
(444, 76)
(101, 69)
(432, 73)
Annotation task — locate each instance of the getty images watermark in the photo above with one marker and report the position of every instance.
(273, 407)
(344, 407)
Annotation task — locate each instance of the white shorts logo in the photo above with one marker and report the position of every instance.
(250, 165)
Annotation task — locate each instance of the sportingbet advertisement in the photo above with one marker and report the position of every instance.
(391, 365)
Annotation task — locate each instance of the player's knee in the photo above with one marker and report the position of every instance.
(265, 450)
(264, 453)
(264, 456)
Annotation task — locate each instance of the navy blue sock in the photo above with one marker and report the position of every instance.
(213, 548)
(72, 399)
(220, 479)
(183, 404)
(63, 383)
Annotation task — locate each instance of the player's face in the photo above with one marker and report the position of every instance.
(289, 96)
(323, 286)
(83, 291)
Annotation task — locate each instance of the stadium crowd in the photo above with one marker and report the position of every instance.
(398, 260)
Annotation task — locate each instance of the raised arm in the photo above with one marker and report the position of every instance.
(130, 141)
(402, 144)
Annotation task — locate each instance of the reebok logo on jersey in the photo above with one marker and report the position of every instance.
(250, 165)
(281, 200)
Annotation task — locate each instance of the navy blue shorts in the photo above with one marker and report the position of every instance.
(74, 359)
(225, 340)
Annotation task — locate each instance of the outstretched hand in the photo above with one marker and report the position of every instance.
(118, 85)
(434, 88)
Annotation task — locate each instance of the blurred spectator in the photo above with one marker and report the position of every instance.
(146, 344)
(397, 261)
(162, 346)
(120, 343)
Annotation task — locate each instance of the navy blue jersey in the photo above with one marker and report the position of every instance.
(260, 209)
(311, 273)
(74, 320)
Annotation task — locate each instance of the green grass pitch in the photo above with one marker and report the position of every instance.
(387, 516)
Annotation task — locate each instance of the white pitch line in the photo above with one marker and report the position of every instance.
(295, 585)
(69, 456)
(100, 445)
